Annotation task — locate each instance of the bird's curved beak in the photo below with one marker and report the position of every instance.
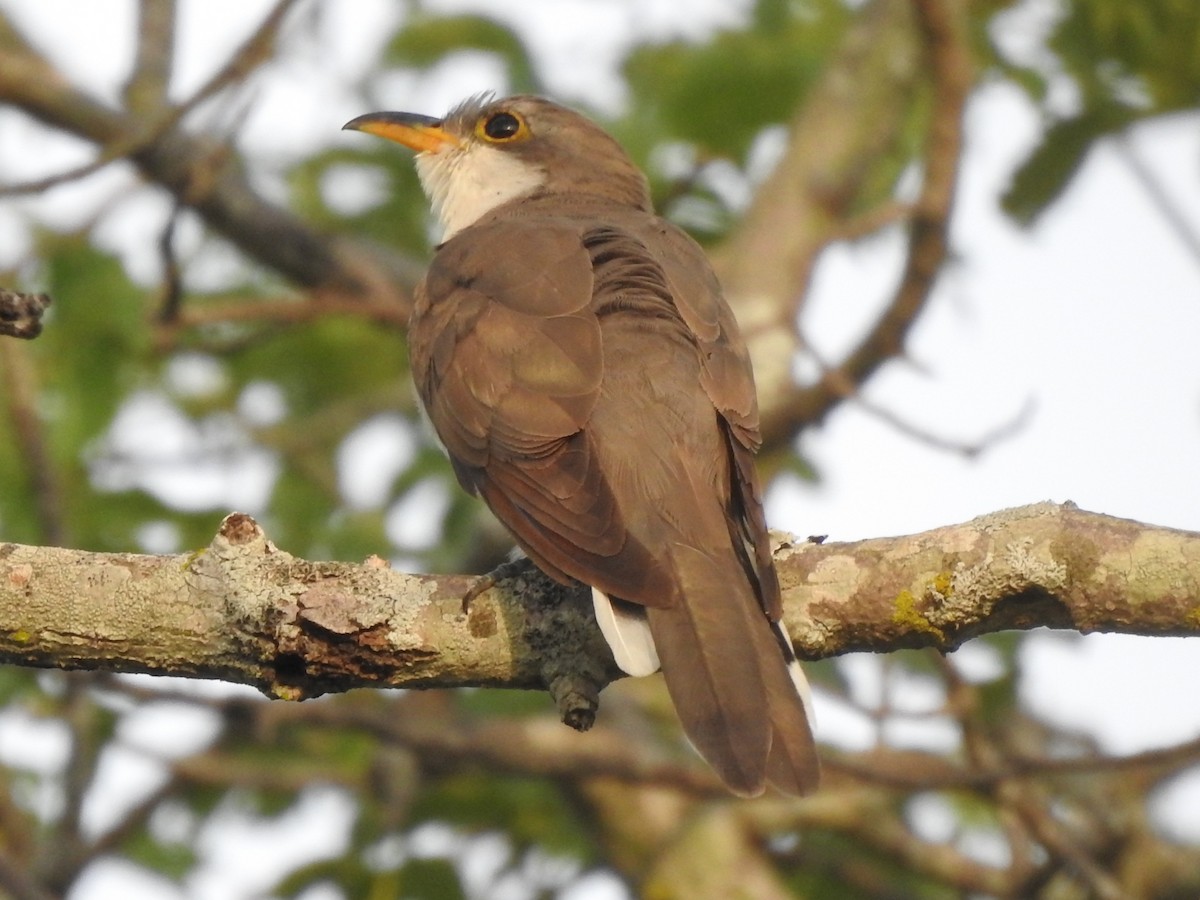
(424, 134)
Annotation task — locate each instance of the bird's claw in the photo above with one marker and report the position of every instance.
(482, 584)
(485, 583)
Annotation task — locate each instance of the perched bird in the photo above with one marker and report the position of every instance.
(579, 362)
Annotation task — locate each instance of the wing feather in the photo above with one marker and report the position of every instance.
(511, 399)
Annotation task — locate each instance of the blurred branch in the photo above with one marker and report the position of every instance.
(244, 611)
(706, 852)
(867, 223)
(1166, 205)
(868, 814)
(1027, 806)
(654, 812)
(943, 27)
(837, 380)
(537, 746)
(914, 770)
(652, 809)
(21, 314)
(1034, 809)
(849, 121)
(253, 53)
(316, 304)
(968, 449)
(64, 854)
(1064, 835)
(203, 176)
(150, 80)
(18, 884)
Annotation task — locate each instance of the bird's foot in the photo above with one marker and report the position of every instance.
(484, 583)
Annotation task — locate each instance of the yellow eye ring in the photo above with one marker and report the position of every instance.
(502, 128)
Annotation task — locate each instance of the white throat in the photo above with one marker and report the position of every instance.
(466, 183)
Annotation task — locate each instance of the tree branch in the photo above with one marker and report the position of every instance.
(17, 883)
(943, 27)
(1168, 206)
(147, 87)
(199, 172)
(1040, 565)
(245, 611)
(812, 195)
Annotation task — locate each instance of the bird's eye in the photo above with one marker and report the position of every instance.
(502, 126)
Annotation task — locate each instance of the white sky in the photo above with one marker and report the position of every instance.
(1093, 315)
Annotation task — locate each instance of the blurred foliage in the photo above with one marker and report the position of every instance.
(427, 40)
(1124, 62)
(1117, 62)
(720, 95)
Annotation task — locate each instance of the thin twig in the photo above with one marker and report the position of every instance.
(1171, 211)
(276, 237)
(948, 53)
(917, 771)
(873, 221)
(172, 288)
(1025, 800)
(1052, 835)
(275, 311)
(837, 380)
(252, 53)
(968, 449)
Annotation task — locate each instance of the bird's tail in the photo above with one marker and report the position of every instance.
(792, 765)
(728, 675)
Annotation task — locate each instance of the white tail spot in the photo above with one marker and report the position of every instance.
(628, 635)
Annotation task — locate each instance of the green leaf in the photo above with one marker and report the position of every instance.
(721, 94)
(425, 41)
(529, 811)
(435, 879)
(505, 703)
(97, 346)
(1128, 61)
(173, 860)
(1049, 169)
(326, 362)
(819, 873)
(91, 355)
(400, 218)
(16, 683)
(346, 872)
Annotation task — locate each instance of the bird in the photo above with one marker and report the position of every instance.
(577, 358)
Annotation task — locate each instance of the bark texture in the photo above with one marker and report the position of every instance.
(243, 610)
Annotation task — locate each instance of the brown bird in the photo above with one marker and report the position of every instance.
(579, 362)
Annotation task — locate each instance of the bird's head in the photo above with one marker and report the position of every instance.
(486, 152)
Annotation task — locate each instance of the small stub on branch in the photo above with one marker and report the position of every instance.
(239, 528)
(21, 314)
